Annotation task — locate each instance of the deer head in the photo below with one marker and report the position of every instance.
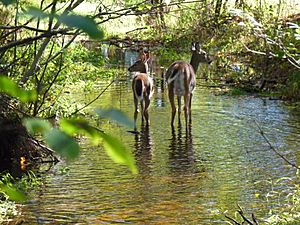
(142, 65)
(199, 56)
(139, 66)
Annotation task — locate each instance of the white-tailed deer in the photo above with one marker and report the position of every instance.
(142, 88)
(141, 65)
(181, 80)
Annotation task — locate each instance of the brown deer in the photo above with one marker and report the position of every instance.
(142, 88)
(181, 80)
(141, 65)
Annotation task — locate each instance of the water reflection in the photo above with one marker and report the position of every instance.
(181, 150)
(143, 150)
(130, 57)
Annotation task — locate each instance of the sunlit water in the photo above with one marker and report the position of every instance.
(185, 176)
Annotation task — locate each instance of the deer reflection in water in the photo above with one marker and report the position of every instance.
(143, 149)
(181, 155)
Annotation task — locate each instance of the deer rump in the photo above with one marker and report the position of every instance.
(183, 76)
(142, 87)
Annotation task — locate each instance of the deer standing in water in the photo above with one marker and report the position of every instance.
(142, 88)
(181, 80)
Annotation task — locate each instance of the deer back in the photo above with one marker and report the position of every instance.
(142, 86)
(181, 74)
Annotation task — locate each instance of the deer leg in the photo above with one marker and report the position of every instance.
(136, 110)
(171, 99)
(190, 108)
(142, 110)
(179, 109)
(186, 107)
(146, 114)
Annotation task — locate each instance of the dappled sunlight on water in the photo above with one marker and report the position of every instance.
(186, 176)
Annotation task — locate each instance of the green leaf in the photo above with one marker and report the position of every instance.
(12, 193)
(36, 12)
(116, 115)
(11, 88)
(280, 54)
(62, 143)
(35, 125)
(84, 23)
(113, 147)
(7, 2)
(146, 6)
(75, 126)
(118, 152)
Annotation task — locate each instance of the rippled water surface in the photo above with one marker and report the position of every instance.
(185, 176)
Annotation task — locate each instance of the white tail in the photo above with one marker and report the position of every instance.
(181, 80)
(142, 87)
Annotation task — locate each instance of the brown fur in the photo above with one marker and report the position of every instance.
(142, 87)
(181, 79)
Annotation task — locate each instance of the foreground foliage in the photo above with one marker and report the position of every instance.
(12, 192)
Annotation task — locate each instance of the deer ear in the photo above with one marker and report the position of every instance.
(197, 46)
(193, 46)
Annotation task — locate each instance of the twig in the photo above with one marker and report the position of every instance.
(13, 107)
(233, 220)
(258, 52)
(254, 219)
(32, 39)
(86, 105)
(289, 57)
(273, 148)
(244, 217)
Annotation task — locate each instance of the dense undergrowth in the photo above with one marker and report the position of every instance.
(256, 47)
(10, 208)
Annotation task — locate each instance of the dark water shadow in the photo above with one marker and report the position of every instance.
(181, 150)
(13, 168)
(143, 145)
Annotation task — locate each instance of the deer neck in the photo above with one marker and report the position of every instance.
(195, 61)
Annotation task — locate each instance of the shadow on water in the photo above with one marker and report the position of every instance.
(143, 149)
(181, 152)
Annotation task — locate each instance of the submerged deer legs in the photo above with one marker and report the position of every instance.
(187, 106)
(171, 99)
(136, 110)
(179, 108)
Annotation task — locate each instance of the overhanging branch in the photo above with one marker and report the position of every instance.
(29, 40)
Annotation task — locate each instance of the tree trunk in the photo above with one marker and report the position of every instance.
(218, 10)
(16, 144)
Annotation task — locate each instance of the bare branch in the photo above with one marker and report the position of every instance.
(86, 105)
(233, 220)
(289, 57)
(32, 39)
(273, 148)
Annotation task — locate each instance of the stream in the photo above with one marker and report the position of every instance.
(185, 176)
